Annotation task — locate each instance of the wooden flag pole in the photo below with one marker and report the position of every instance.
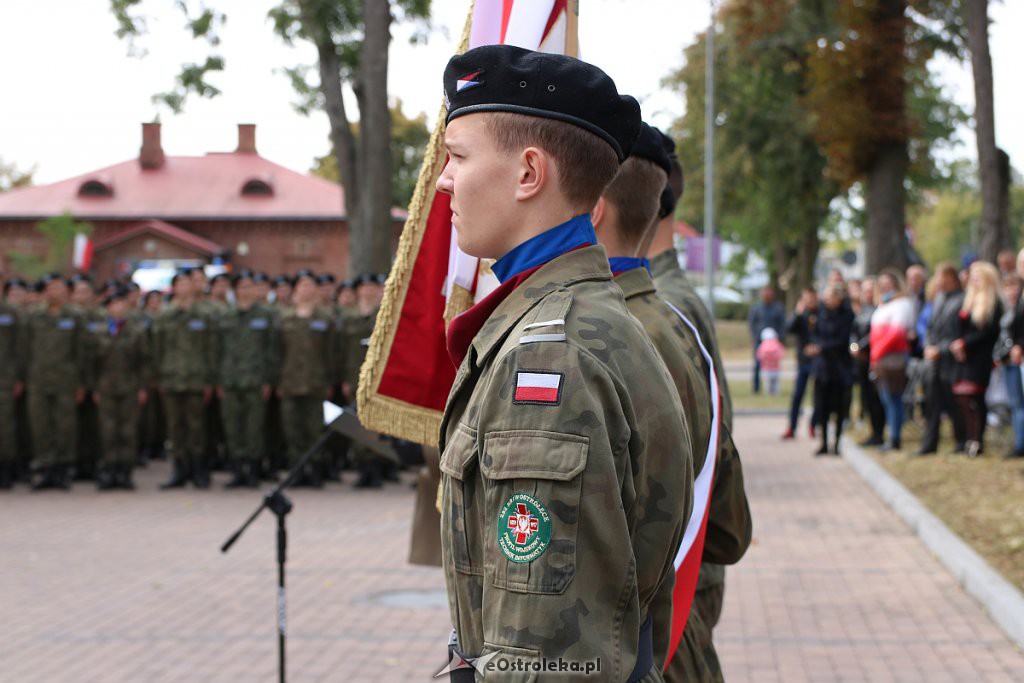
(572, 30)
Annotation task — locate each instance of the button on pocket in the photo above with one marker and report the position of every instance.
(533, 481)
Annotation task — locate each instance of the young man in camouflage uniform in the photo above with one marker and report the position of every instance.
(120, 390)
(87, 440)
(623, 219)
(247, 366)
(10, 388)
(183, 349)
(562, 435)
(729, 524)
(51, 338)
(307, 374)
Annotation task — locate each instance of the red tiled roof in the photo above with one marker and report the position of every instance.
(684, 229)
(163, 229)
(186, 188)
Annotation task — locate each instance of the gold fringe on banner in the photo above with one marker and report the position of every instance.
(382, 413)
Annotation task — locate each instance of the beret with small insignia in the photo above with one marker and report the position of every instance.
(506, 78)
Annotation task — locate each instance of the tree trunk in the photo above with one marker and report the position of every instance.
(992, 235)
(1005, 178)
(886, 209)
(371, 236)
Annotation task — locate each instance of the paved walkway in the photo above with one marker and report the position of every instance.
(132, 587)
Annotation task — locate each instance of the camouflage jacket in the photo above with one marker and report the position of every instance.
(561, 448)
(674, 287)
(120, 359)
(248, 347)
(309, 350)
(356, 332)
(9, 371)
(52, 348)
(95, 322)
(183, 348)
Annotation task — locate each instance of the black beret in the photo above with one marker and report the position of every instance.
(261, 277)
(348, 284)
(220, 276)
(370, 278)
(116, 295)
(282, 280)
(325, 279)
(510, 79)
(132, 286)
(668, 198)
(14, 282)
(243, 274)
(80, 277)
(649, 146)
(305, 272)
(48, 278)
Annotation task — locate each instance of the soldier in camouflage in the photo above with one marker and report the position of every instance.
(10, 385)
(50, 338)
(623, 219)
(120, 390)
(183, 347)
(247, 365)
(307, 374)
(562, 433)
(729, 527)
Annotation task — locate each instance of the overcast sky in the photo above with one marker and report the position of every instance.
(71, 100)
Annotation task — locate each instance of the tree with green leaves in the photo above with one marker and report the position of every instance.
(59, 233)
(351, 38)
(11, 176)
(409, 138)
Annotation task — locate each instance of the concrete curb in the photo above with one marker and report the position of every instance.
(1003, 602)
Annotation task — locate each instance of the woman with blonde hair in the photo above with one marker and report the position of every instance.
(979, 330)
(892, 326)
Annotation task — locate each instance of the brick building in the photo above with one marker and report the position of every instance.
(234, 205)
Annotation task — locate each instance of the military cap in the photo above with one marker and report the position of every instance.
(79, 277)
(260, 277)
(369, 278)
(505, 78)
(668, 196)
(350, 283)
(305, 272)
(180, 274)
(243, 274)
(111, 283)
(116, 295)
(325, 279)
(220, 276)
(649, 146)
(282, 280)
(132, 286)
(45, 280)
(14, 282)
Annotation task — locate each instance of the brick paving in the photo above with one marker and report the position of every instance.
(132, 587)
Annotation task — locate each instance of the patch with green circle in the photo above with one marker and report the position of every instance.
(524, 528)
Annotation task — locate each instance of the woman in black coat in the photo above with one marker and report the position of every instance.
(972, 351)
(832, 363)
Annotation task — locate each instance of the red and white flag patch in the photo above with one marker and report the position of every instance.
(544, 388)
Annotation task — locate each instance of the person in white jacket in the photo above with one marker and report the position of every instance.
(892, 325)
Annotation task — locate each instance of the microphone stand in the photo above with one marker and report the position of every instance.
(346, 423)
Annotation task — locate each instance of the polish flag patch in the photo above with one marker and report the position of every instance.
(544, 388)
(468, 81)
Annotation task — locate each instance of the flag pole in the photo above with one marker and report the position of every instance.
(572, 28)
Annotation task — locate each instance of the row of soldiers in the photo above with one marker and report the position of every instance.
(233, 370)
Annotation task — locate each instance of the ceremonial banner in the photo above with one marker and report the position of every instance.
(691, 548)
(405, 379)
(81, 254)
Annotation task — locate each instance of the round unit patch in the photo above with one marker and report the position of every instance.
(524, 528)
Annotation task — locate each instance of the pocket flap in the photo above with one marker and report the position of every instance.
(459, 453)
(533, 454)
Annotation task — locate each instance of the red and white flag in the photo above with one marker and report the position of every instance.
(407, 374)
(691, 549)
(538, 387)
(81, 256)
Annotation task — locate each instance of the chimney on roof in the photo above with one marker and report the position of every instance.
(152, 154)
(247, 138)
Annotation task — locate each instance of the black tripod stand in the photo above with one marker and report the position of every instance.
(346, 423)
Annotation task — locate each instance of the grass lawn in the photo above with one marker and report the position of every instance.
(733, 340)
(744, 398)
(982, 499)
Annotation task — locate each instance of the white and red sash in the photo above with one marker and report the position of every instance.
(691, 548)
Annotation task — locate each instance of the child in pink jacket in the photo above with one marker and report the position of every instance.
(769, 355)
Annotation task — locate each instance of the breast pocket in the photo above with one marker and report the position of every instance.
(461, 516)
(533, 481)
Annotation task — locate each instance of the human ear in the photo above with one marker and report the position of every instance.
(598, 212)
(534, 167)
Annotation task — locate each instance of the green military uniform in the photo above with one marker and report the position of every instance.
(729, 525)
(152, 417)
(248, 358)
(9, 376)
(121, 366)
(566, 476)
(308, 369)
(88, 440)
(214, 435)
(183, 346)
(51, 351)
(356, 335)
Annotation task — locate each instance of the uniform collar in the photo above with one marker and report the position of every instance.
(665, 262)
(635, 282)
(587, 263)
(538, 250)
(620, 264)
